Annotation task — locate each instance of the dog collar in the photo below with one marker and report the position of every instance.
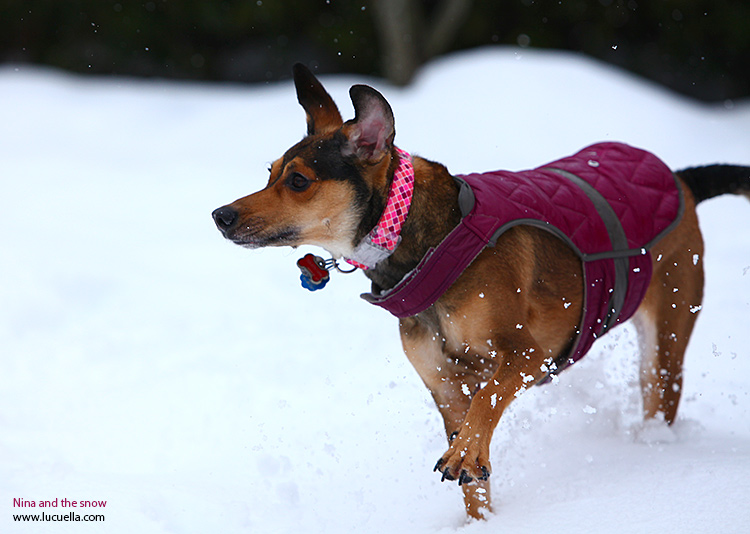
(385, 237)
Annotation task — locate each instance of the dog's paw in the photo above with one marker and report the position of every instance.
(655, 432)
(467, 459)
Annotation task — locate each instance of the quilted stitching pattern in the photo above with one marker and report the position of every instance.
(638, 186)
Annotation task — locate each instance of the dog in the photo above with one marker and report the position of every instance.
(482, 329)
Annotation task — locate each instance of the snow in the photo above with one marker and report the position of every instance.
(196, 387)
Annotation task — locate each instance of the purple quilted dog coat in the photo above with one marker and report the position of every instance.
(609, 202)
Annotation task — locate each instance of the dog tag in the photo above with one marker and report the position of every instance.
(314, 272)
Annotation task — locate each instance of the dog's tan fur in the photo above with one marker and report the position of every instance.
(488, 338)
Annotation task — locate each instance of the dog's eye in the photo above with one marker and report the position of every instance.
(297, 182)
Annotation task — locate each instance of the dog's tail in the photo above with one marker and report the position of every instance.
(714, 180)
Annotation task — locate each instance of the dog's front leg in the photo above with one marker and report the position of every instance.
(451, 385)
(467, 458)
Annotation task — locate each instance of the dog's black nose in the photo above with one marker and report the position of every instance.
(225, 217)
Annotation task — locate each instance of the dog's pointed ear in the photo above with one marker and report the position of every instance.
(322, 114)
(370, 134)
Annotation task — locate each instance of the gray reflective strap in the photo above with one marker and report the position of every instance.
(619, 244)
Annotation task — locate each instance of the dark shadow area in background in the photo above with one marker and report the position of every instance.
(699, 48)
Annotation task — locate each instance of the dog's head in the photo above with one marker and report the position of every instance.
(328, 189)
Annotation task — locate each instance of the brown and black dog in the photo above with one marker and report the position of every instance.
(330, 190)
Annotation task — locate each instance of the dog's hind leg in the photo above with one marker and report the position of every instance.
(667, 315)
(452, 387)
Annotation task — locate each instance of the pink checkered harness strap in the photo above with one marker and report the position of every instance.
(385, 237)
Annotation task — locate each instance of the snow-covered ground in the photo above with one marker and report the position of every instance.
(196, 388)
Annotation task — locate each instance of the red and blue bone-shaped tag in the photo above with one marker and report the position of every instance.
(314, 272)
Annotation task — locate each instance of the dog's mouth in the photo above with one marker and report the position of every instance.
(253, 231)
(286, 237)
